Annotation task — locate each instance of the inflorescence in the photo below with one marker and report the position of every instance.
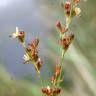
(71, 10)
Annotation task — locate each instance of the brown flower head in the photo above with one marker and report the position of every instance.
(51, 91)
(32, 49)
(56, 91)
(47, 91)
(66, 41)
(32, 54)
(19, 34)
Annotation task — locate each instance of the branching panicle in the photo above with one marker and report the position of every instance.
(31, 50)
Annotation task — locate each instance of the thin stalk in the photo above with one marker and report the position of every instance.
(62, 57)
(41, 81)
(38, 72)
(72, 3)
(23, 44)
(61, 64)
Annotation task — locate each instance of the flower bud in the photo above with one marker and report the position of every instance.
(67, 5)
(47, 91)
(61, 29)
(21, 36)
(59, 26)
(39, 64)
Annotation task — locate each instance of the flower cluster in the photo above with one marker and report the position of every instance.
(51, 91)
(31, 49)
(65, 39)
(71, 9)
(31, 52)
(20, 35)
(55, 80)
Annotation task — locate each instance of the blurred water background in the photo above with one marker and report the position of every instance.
(37, 18)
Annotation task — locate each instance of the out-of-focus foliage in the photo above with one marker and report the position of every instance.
(12, 87)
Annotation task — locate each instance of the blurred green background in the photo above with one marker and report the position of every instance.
(38, 18)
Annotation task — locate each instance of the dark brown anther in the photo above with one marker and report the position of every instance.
(72, 36)
(68, 13)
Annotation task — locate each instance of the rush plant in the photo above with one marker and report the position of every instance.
(31, 55)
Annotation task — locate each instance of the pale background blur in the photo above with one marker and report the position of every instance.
(37, 18)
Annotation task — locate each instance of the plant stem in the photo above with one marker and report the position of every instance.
(62, 57)
(61, 64)
(41, 81)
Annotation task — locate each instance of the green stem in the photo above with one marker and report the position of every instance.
(41, 81)
(61, 64)
(62, 57)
